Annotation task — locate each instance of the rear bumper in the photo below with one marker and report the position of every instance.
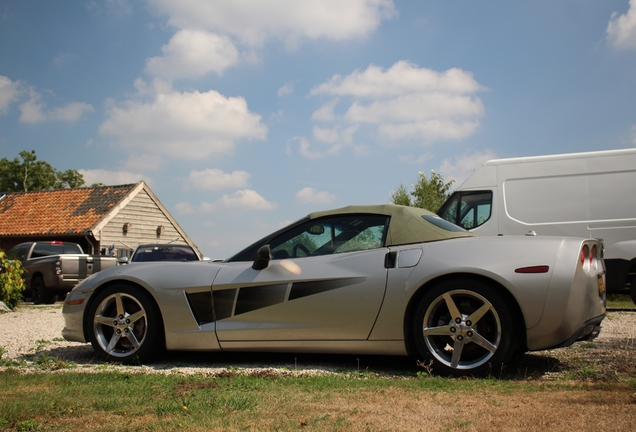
(588, 331)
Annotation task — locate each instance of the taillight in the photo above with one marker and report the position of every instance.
(593, 260)
(585, 255)
(58, 268)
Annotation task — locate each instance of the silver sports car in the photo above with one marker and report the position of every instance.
(379, 279)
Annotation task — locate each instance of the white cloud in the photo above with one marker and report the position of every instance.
(9, 93)
(325, 113)
(64, 60)
(416, 108)
(305, 149)
(184, 208)
(461, 168)
(330, 141)
(285, 90)
(207, 207)
(143, 163)
(429, 130)
(416, 160)
(32, 111)
(70, 112)
(210, 34)
(243, 200)
(193, 54)
(188, 125)
(246, 199)
(621, 30)
(253, 22)
(119, 7)
(335, 135)
(35, 111)
(403, 78)
(406, 102)
(112, 177)
(215, 179)
(312, 196)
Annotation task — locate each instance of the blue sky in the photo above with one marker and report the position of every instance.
(246, 115)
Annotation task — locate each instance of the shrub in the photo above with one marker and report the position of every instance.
(11, 282)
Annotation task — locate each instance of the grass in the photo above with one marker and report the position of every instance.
(575, 388)
(155, 402)
(620, 301)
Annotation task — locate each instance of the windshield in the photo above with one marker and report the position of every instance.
(164, 253)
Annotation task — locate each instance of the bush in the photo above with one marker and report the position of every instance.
(11, 282)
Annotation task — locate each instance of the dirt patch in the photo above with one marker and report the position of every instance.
(34, 332)
(393, 409)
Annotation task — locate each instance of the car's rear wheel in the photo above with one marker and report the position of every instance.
(125, 325)
(464, 327)
(39, 293)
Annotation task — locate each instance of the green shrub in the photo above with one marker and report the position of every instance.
(11, 282)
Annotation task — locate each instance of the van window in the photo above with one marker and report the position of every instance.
(467, 209)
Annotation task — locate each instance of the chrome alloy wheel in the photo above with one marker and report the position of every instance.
(120, 325)
(462, 329)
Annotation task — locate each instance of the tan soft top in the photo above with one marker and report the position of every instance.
(406, 226)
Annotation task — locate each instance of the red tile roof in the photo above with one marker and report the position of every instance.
(56, 212)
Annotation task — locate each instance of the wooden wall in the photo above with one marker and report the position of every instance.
(144, 216)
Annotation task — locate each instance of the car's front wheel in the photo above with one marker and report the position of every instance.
(465, 328)
(125, 325)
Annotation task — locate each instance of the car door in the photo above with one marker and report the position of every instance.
(333, 293)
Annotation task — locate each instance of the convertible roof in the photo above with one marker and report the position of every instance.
(407, 224)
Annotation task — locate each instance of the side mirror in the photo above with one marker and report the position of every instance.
(262, 258)
(122, 260)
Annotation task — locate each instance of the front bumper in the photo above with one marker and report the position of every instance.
(73, 313)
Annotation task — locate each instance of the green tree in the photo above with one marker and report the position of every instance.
(400, 196)
(31, 174)
(11, 282)
(69, 179)
(428, 193)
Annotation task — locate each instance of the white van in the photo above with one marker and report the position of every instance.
(580, 195)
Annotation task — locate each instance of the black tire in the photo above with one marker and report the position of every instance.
(39, 293)
(124, 325)
(465, 328)
(632, 289)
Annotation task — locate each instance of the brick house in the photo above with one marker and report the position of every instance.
(107, 220)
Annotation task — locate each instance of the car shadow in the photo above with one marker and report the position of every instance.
(523, 367)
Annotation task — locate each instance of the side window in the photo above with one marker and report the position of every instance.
(468, 209)
(18, 252)
(332, 235)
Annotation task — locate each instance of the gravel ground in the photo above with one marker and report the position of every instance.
(32, 332)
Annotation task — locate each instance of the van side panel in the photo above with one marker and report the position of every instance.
(589, 195)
